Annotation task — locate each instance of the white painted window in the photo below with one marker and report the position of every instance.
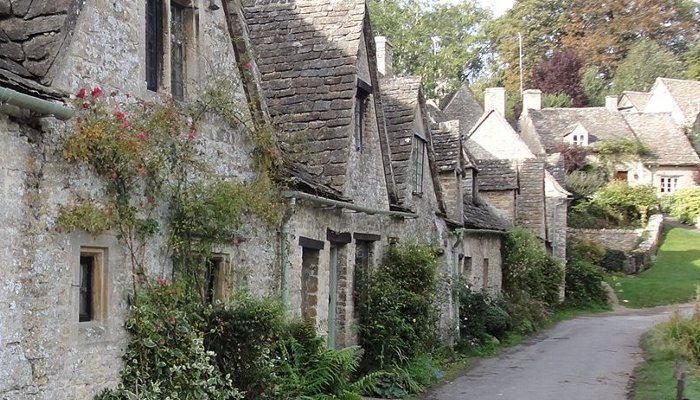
(669, 184)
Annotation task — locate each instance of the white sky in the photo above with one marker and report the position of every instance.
(497, 6)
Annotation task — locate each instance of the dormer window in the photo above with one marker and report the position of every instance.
(577, 136)
(361, 100)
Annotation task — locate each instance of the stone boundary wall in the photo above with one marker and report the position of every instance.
(640, 245)
(618, 239)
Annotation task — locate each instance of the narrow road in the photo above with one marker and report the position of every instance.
(586, 358)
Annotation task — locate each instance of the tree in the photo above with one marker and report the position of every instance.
(442, 43)
(539, 24)
(595, 86)
(645, 62)
(560, 74)
(603, 32)
(691, 58)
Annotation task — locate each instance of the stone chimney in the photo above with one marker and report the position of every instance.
(611, 103)
(385, 56)
(532, 100)
(495, 99)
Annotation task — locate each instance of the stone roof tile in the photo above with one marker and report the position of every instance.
(463, 106)
(666, 140)
(496, 174)
(481, 216)
(447, 147)
(686, 94)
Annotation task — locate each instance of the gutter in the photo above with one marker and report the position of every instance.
(40, 106)
(293, 194)
(469, 230)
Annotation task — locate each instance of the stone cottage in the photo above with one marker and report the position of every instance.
(353, 185)
(671, 164)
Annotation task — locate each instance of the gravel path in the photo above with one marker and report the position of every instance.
(586, 358)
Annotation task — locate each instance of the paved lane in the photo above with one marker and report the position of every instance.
(587, 358)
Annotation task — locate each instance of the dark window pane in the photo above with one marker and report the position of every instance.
(210, 282)
(177, 51)
(359, 120)
(85, 297)
(154, 39)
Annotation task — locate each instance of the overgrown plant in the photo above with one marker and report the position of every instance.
(684, 204)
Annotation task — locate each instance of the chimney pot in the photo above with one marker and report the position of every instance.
(532, 100)
(495, 99)
(385, 56)
(611, 103)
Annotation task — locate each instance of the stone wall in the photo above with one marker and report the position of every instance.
(619, 239)
(530, 206)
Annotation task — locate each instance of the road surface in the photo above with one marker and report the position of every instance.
(586, 358)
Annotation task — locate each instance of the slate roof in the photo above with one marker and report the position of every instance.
(463, 106)
(666, 140)
(496, 174)
(638, 99)
(481, 216)
(306, 53)
(686, 94)
(447, 147)
(32, 35)
(552, 124)
(400, 99)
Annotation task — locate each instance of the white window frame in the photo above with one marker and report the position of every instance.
(668, 184)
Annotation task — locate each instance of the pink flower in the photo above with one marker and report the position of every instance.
(86, 105)
(141, 135)
(247, 66)
(161, 281)
(96, 91)
(190, 135)
(120, 115)
(125, 124)
(81, 93)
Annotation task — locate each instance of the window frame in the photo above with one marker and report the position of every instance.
(668, 183)
(96, 284)
(419, 146)
(362, 94)
(216, 288)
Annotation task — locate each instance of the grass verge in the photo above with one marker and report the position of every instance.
(654, 379)
(672, 279)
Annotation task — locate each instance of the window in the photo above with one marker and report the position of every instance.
(485, 273)
(91, 274)
(467, 267)
(363, 92)
(418, 163)
(215, 279)
(578, 139)
(363, 255)
(668, 184)
(621, 176)
(168, 34)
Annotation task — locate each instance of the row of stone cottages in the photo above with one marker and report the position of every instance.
(380, 165)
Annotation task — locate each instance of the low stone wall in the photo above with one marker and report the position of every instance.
(619, 239)
(640, 245)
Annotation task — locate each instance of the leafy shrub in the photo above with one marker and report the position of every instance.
(585, 249)
(683, 334)
(620, 149)
(627, 205)
(583, 184)
(166, 357)
(573, 157)
(583, 284)
(243, 337)
(684, 204)
(398, 318)
(614, 260)
(400, 381)
(480, 315)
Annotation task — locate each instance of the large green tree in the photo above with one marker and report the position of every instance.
(443, 43)
(645, 62)
(692, 62)
(603, 32)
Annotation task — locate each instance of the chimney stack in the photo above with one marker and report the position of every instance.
(532, 100)
(495, 99)
(611, 103)
(385, 56)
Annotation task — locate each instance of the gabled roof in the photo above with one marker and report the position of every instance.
(400, 100)
(686, 94)
(447, 146)
(463, 106)
(496, 175)
(32, 36)
(481, 216)
(666, 140)
(552, 124)
(306, 53)
(638, 100)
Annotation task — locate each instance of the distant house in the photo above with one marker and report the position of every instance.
(679, 97)
(671, 163)
(633, 101)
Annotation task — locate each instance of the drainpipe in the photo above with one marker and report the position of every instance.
(284, 250)
(40, 106)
